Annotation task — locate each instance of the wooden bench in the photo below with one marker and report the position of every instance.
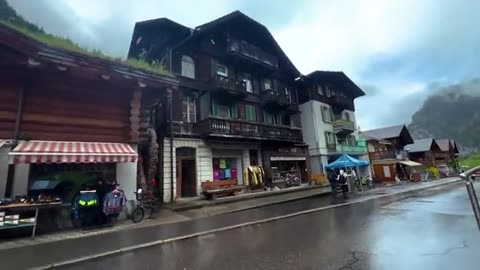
(212, 189)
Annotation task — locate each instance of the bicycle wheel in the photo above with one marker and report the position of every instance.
(138, 214)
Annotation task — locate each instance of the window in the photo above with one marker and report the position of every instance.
(267, 84)
(222, 70)
(188, 67)
(251, 112)
(327, 114)
(286, 120)
(351, 140)
(328, 91)
(248, 82)
(224, 111)
(271, 118)
(346, 116)
(189, 110)
(330, 138)
(320, 90)
(289, 95)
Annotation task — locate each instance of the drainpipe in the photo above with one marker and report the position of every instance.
(170, 128)
(18, 119)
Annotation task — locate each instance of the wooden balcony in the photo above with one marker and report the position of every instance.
(382, 155)
(228, 86)
(249, 52)
(343, 127)
(185, 129)
(339, 149)
(273, 98)
(219, 127)
(278, 101)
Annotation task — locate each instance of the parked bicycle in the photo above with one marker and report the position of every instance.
(142, 206)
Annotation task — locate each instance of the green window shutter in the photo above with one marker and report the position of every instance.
(215, 109)
(250, 113)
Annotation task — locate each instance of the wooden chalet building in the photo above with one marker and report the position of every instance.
(66, 111)
(449, 153)
(386, 152)
(424, 151)
(237, 103)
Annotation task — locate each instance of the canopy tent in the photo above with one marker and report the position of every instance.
(345, 161)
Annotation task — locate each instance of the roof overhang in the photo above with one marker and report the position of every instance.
(32, 54)
(339, 79)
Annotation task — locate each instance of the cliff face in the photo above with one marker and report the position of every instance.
(453, 112)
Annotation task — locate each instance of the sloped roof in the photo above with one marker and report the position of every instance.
(383, 133)
(243, 19)
(422, 145)
(444, 144)
(338, 78)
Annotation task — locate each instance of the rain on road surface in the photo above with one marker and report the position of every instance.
(431, 230)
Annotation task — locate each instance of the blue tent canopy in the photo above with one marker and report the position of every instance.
(345, 161)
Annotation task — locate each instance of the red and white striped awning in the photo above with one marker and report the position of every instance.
(72, 152)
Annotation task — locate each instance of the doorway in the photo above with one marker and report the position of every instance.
(186, 172)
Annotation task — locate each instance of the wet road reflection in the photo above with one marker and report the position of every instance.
(429, 231)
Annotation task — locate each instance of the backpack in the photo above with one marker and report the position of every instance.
(342, 179)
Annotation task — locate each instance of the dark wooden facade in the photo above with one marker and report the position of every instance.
(57, 95)
(244, 48)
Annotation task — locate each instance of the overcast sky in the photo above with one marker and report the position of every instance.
(398, 52)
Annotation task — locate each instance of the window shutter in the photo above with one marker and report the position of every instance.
(215, 109)
(323, 114)
(241, 110)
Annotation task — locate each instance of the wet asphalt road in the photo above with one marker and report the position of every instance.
(432, 230)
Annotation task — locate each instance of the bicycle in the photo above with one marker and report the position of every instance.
(138, 213)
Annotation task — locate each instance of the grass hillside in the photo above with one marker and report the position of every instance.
(471, 160)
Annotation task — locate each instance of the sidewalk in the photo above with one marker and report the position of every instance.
(47, 250)
(287, 193)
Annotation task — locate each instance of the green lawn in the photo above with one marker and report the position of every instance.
(470, 161)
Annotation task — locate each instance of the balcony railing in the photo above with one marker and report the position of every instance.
(227, 84)
(274, 97)
(251, 52)
(346, 149)
(343, 126)
(237, 128)
(349, 149)
(382, 155)
(186, 129)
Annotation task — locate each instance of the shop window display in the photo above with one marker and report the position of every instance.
(66, 180)
(224, 169)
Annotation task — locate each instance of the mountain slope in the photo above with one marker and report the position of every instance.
(454, 112)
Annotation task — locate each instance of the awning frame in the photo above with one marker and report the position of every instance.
(72, 152)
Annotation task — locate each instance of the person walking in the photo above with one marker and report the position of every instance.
(342, 179)
(332, 178)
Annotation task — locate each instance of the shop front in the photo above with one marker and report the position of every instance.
(227, 164)
(72, 165)
(286, 166)
(55, 176)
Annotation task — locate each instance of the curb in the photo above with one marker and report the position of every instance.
(397, 196)
(234, 199)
